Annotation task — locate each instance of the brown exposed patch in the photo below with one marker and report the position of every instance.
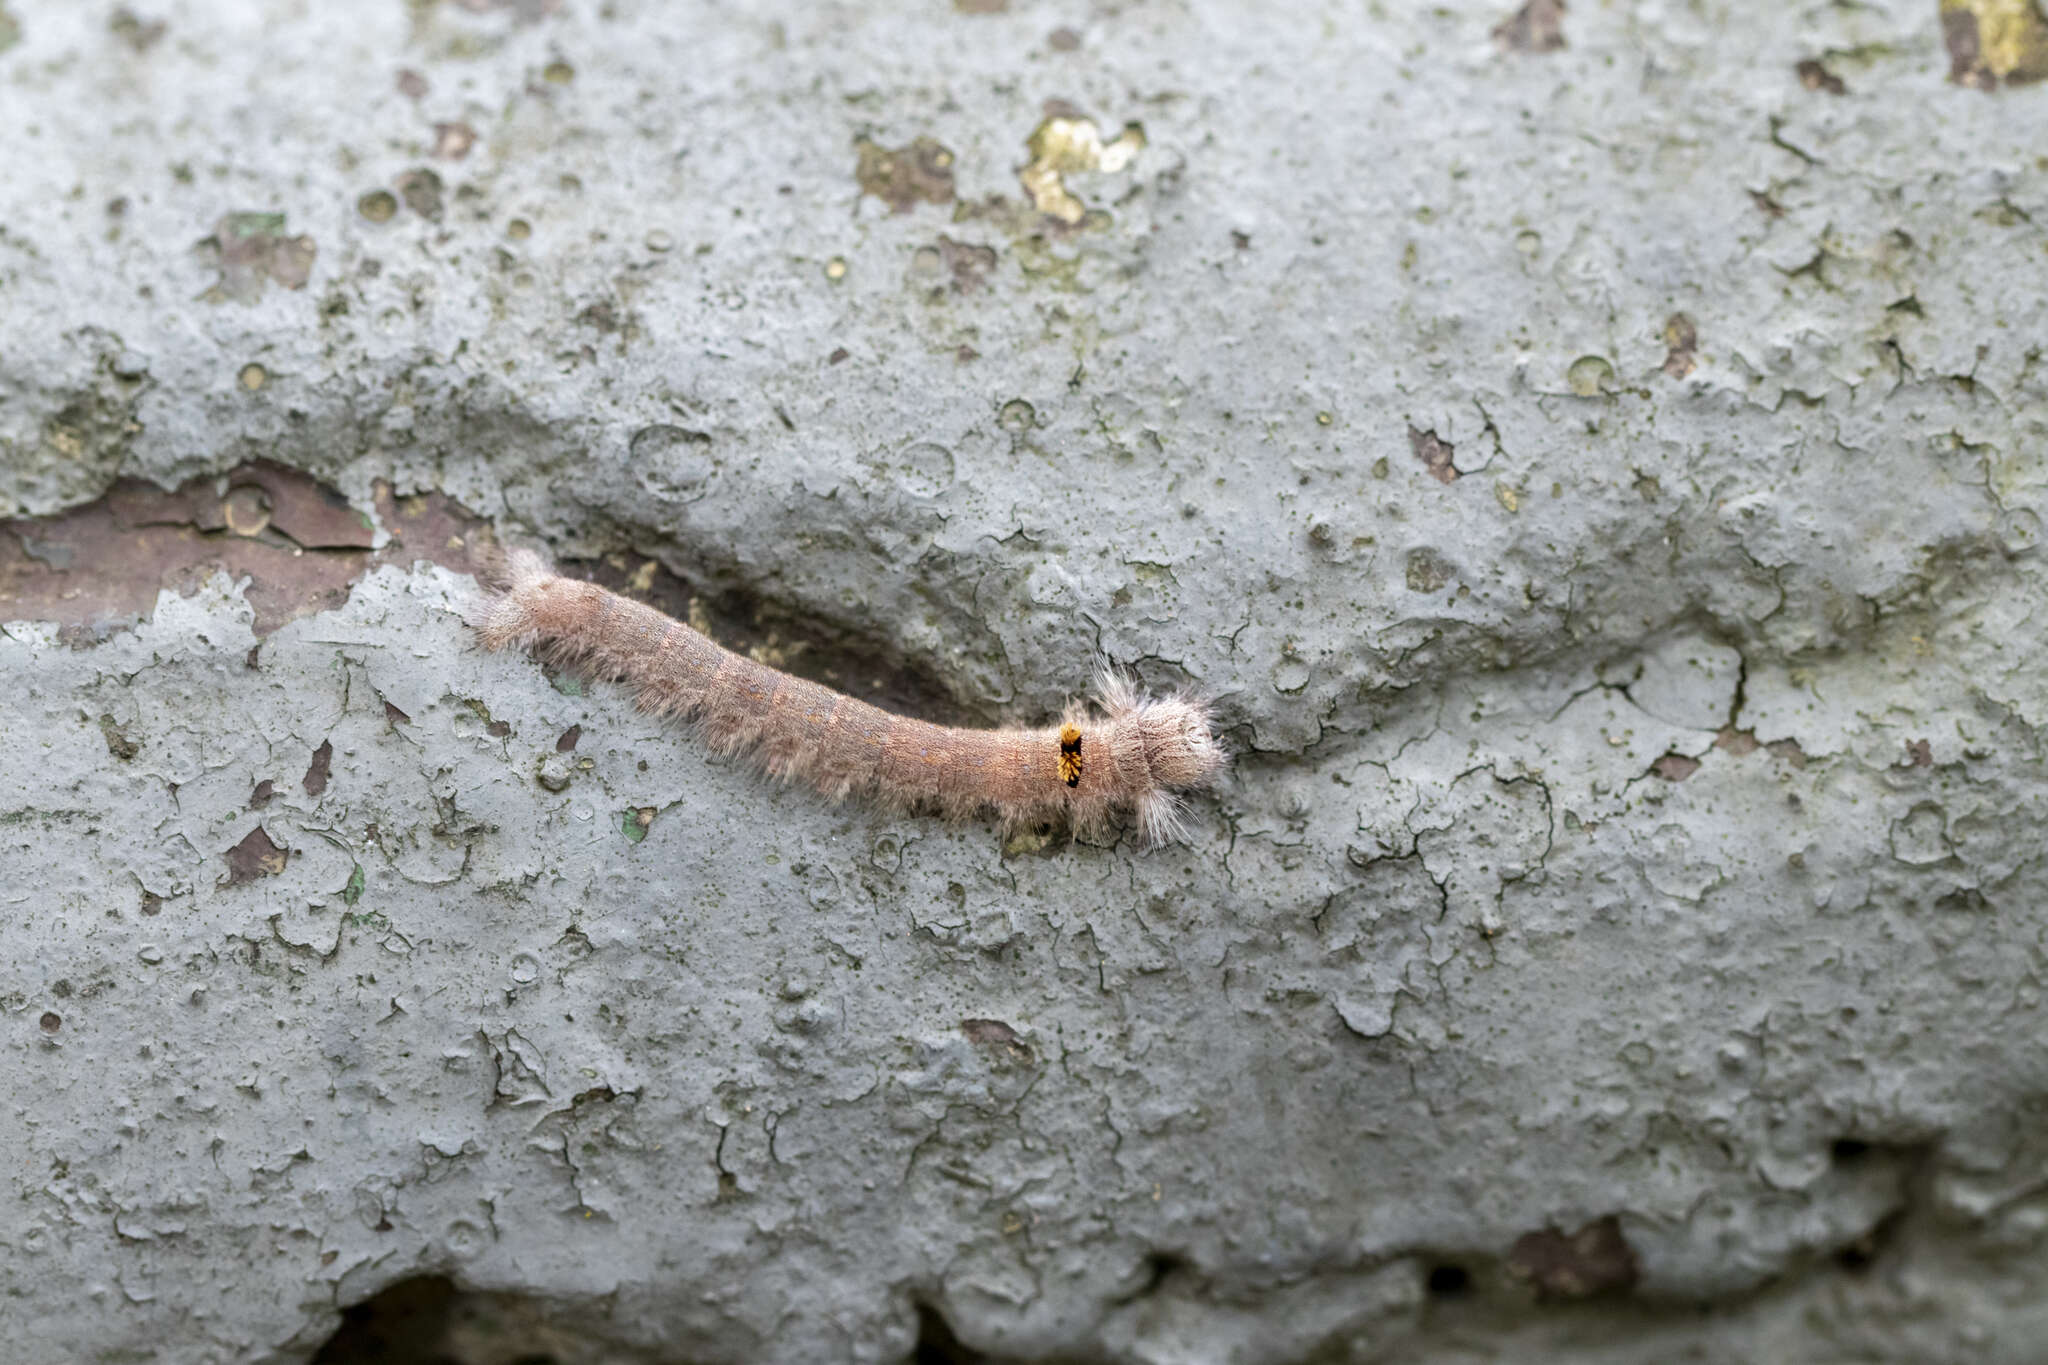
(1789, 750)
(50, 1022)
(411, 83)
(982, 6)
(967, 264)
(315, 780)
(1814, 76)
(1675, 767)
(1596, 1259)
(1537, 26)
(839, 353)
(998, 1038)
(254, 857)
(138, 33)
(1736, 742)
(901, 177)
(1681, 341)
(1435, 454)
(988, 1031)
(566, 742)
(452, 141)
(1767, 203)
(1919, 754)
(420, 188)
(118, 743)
(259, 497)
(1063, 40)
(10, 29)
(260, 797)
(430, 526)
(1994, 40)
(300, 543)
(251, 249)
(394, 716)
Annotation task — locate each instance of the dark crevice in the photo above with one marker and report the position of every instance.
(1910, 1165)
(1864, 1252)
(936, 1344)
(403, 1324)
(749, 624)
(429, 1320)
(1448, 1280)
(1159, 1267)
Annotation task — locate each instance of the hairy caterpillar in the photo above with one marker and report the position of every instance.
(1138, 756)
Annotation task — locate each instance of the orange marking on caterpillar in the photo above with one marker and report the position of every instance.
(1070, 755)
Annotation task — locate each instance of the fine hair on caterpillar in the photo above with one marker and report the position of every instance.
(1138, 756)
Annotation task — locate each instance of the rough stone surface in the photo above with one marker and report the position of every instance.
(1594, 456)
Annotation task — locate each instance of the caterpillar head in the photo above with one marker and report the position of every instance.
(1180, 747)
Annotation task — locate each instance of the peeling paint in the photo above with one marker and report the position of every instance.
(101, 565)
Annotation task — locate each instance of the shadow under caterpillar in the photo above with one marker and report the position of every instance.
(1138, 756)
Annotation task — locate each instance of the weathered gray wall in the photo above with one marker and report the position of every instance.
(1639, 814)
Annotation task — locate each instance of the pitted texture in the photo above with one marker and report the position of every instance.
(1588, 455)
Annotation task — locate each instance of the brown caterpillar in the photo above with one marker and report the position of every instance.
(1139, 756)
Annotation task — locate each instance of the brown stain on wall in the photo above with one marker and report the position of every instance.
(901, 177)
(302, 545)
(1537, 26)
(251, 250)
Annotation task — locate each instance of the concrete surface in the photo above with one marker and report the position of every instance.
(1597, 467)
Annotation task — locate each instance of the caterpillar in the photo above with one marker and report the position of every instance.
(1140, 756)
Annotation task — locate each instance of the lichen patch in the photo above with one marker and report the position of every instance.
(1993, 41)
(1064, 144)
